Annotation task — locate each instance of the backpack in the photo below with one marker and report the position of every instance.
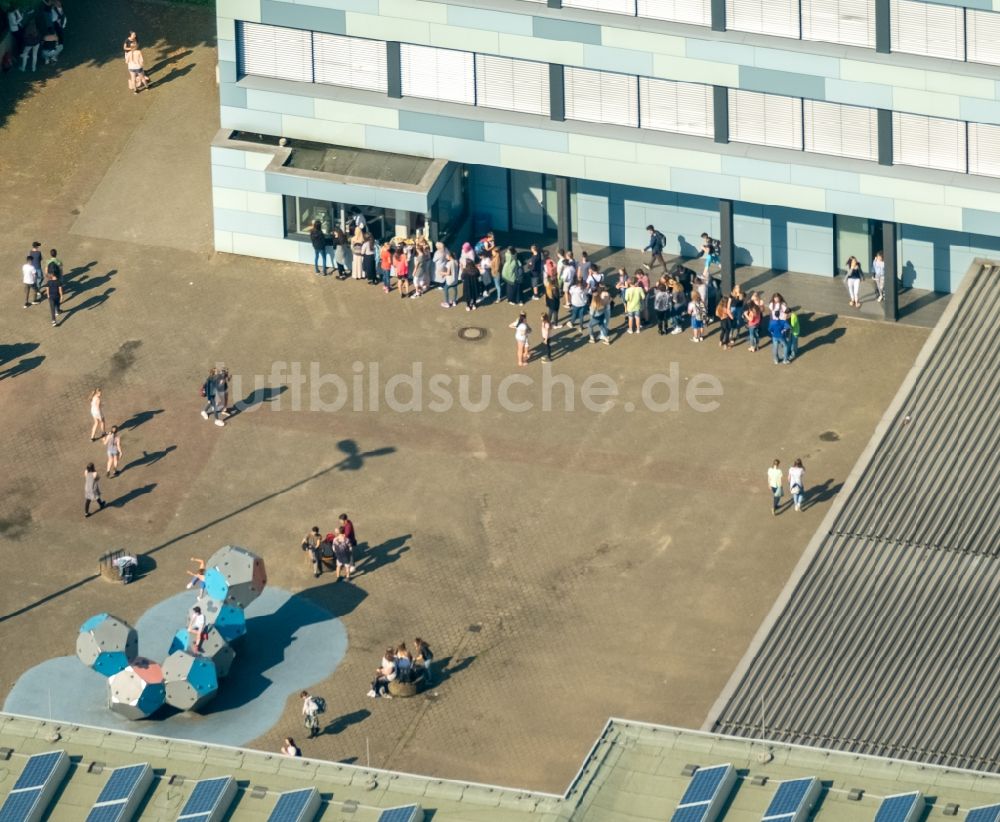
(715, 246)
(203, 391)
(480, 247)
(320, 704)
(661, 238)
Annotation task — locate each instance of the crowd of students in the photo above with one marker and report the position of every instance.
(40, 29)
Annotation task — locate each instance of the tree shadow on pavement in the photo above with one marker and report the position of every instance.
(355, 458)
(164, 29)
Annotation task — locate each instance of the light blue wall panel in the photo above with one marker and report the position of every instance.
(872, 95)
(859, 205)
(527, 137)
(227, 71)
(757, 169)
(280, 103)
(226, 49)
(238, 178)
(980, 222)
(228, 157)
(400, 142)
(489, 20)
(569, 30)
(247, 222)
(607, 58)
(719, 52)
(467, 151)
(824, 178)
(713, 185)
(440, 125)
(782, 82)
(979, 111)
(937, 260)
(259, 122)
(232, 95)
(300, 16)
(289, 184)
(796, 61)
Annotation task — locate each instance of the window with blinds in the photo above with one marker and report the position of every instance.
(843, 131)
(984, 149)
(695, 12)
(274, 51)
(438, 74)
(777, 17)
(765, 119)
(614, 6)
(982, 28)
(685, 108)
(851, 22)
(513, 85)
(928, 29)
(928, 142)
(350, 61)
(601, 97)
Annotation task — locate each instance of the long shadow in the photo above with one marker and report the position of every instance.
(828, 338)
(263, 648)
(823, 492)
(445, 670)
(921, 302)
(135, 493)
(370, 559)
(86, 284)
(12, 351)
(192, 532)
(342, 723)
(91, 302)
(173, 74)
(258, 397)
(78, 272)
(167, 61)
(88, 42)
(355, 458)
(149, 457)
(138, 419)
(23, 367)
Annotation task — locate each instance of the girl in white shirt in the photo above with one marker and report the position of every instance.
(796, 483)
(878, 275)
(97, 415)
(521, 332)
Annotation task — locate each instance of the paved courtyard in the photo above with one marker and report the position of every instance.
(566, 566)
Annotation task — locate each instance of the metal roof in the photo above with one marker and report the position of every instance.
(886, 639)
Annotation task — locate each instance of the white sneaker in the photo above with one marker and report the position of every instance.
(219, 423)
(371, 694)
(204, 415)
(677, 330)
(629, 331)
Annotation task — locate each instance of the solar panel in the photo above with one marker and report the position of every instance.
(706, 794)
(115, 812)
(35, 787)
(984, 813)
(121, 794)
(20, 806)
(209, 800)
(39, 768)
(404, 813)
(296, 806)
(793, 800)
(903, 807)
(122, 783)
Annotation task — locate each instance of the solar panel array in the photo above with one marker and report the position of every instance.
(902, 807)
(209, 800)
(793, 800)
(296, 806)
(984, 813)
(121, 794)
(34, 788)
(404, 813)
(705, 795)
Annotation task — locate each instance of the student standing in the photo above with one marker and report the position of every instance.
(854, 281)
(546, 331)
(289, 748)
(552, 296)
(753, 316)
(91, 490)
(774, 482)
(55, 294)
(318, 240)
(634, 296)
(510, 277)
(533, 267)
(878, 275)
(450, 283)
(97, 415)
(113, 441)
(136, 67)
(348, 528)
(310, 714)
(696, 310)
(311, 545)
(521, 332)
(196, 629)
(210, 390)
(470, 285)
(796, 483)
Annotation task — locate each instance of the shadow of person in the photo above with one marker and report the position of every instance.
(270, 635)
(823, 492)
(170, 59)
(138, 419)
(355, 458)
(135, 493)
(23, 367)
(342, 723)
(91, 302)
(149, 457)
(86, 284)
(258, 397)
(79, 271)
(687, 250)
(368, 559)
(445, 670)
(828, 338)
(11, 351)
(173, 74)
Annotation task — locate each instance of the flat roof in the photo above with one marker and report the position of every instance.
(379, 166)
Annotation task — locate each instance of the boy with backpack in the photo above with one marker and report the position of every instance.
(657, 241)
(312, 707)
(712, 251)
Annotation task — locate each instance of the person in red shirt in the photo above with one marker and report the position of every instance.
(348, 528)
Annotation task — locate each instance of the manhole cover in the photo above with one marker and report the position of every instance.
(472, 333)
(829, 436)
(475, 628)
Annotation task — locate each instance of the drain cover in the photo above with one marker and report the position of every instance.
(829, 436)
(472, 333)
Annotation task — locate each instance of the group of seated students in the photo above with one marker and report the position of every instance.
(400, 665)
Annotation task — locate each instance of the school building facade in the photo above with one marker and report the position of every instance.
(798, 131)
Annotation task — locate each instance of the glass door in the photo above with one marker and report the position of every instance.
(853, 238)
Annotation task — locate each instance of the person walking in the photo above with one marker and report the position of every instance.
(30, 282)
(774, 482)
(113, 442)
(35, 255)
(878, 275)
(222, 390)
(91, 489)
(655, 248)
(310, 714)
(210, 391)
(318, 240)
(97, 415)
(796, 483)
(854, 278)
(521, 332)
(55, 293)
(136, 66)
